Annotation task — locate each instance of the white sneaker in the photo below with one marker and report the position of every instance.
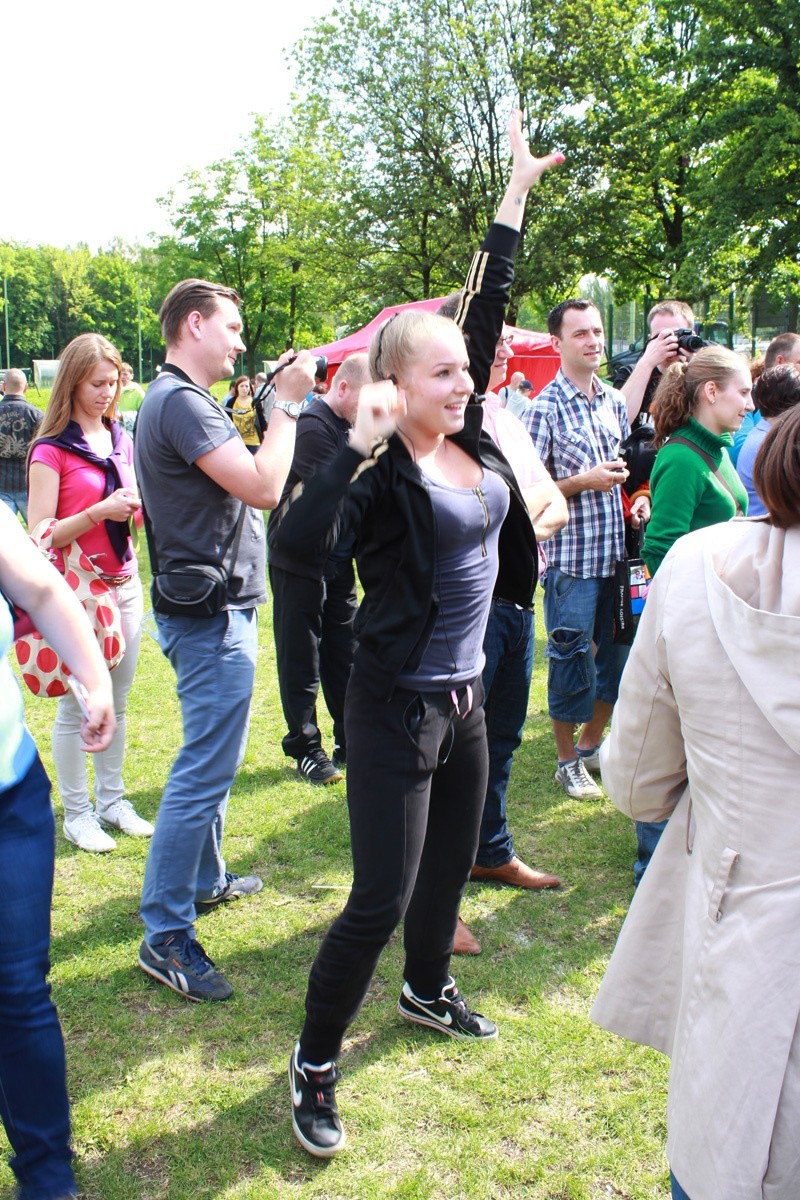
(590, 761)
(85, 833)
(577, 782)
(123, 816)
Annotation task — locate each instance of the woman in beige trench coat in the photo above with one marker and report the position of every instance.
(707, 966)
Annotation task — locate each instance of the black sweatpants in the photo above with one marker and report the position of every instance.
(416, 782)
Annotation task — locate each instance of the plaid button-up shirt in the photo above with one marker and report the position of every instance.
(573, 434)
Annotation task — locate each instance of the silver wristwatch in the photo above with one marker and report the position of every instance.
(290, 407)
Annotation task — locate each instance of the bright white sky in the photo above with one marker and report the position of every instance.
(106, 104)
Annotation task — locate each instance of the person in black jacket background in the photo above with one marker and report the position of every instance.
(314, 603)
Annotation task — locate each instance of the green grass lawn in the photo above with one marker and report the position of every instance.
(191, 1102)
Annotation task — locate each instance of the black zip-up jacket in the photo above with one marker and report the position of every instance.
(384, 502)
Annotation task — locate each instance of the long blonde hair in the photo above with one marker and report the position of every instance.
(678, 393)
(78, 360)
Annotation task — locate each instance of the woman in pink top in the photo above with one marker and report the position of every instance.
(81, 473)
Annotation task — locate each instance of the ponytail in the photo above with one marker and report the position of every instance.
(680, 390)
(671, 405)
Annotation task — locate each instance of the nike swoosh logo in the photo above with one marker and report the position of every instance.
(443, 1020)
(297, 1095)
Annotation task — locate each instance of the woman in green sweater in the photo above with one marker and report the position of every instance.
(698, 406)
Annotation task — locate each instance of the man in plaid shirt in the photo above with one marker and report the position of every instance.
(577, 424)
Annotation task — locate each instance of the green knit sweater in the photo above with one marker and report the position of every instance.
(684, 492)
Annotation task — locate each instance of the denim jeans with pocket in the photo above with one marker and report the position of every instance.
(577, 613)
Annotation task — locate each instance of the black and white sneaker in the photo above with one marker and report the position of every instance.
(339, 757)
(315, 1117)
(182, 964)
(316, 767)
(449, 1014)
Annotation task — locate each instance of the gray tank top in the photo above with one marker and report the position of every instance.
(468, 524)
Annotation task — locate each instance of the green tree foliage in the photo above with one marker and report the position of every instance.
(419, 109)
(749, 57)
(55, 294)
(679, 121)
(257, 222)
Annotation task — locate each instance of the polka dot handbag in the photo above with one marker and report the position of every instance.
(42, 670)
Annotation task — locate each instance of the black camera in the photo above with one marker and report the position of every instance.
(688, 340)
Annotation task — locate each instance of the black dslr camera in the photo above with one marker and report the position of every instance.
(688, 340)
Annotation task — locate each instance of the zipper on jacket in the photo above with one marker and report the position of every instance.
(481, 498)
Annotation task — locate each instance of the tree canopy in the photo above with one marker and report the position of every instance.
(680, 120)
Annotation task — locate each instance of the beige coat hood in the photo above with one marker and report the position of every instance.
(753, 592)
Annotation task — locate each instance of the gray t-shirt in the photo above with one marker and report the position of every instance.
(192, 517)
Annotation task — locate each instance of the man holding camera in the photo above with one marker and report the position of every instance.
(577, 425)
(672, 339)
(203, 493)
(665, 321)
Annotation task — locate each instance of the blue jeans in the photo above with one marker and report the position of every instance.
(648, 834)
(578, 612)
(508, 646)
(33, 1086)
(17, 502)
(215, 662)
(677, 1191)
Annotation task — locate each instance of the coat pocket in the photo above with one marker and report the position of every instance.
(727, 862)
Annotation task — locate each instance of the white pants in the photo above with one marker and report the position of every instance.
(68, 757)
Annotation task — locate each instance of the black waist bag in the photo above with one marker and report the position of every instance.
(187, 589)
(190, 590)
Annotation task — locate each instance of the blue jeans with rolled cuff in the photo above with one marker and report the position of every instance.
(17, 502)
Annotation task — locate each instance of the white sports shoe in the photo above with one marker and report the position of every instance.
(85, 833)
(577, 782)
(123, 816)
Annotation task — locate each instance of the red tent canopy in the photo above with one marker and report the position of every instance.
(532, 352)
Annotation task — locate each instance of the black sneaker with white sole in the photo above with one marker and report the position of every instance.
(449, 1014)
(182, 964)
(315, 1117)
(316, 767)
